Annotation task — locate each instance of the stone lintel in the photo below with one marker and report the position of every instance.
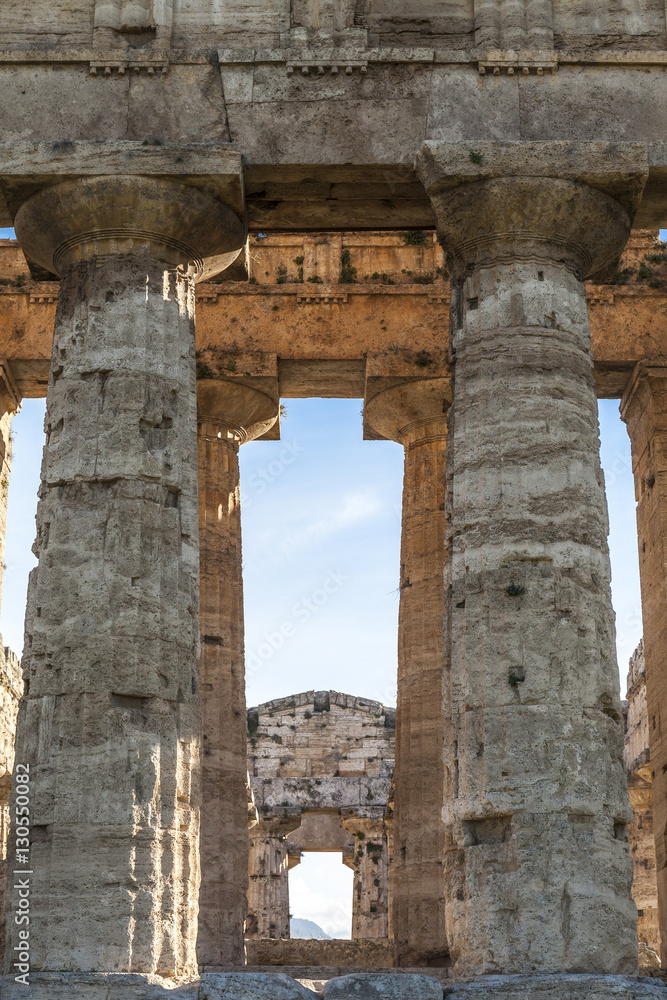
(619, 169)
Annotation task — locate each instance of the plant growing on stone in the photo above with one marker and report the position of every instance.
(348, 274)
(415, 238)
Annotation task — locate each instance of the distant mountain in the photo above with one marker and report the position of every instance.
(300, 928)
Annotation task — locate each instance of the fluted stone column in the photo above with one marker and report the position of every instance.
(644, 409)
(269, 865)
(109, 725)
(10, 402)
(540, 806)
(371, 878)
(415, 414)
(229, 413)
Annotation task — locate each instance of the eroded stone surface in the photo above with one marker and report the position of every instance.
(415, 414)
(644, 409)
(109, 724)
(92, 986)
(374, 986)
(538, 865)
(252, 986)
(637, 759)
(229, 413)
(558, 987)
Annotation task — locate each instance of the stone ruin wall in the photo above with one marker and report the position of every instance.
(321, 765)
(637, 760)
(11, 686)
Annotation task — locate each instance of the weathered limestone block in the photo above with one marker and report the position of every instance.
(252, 986)
(91, 986)
(132, 18)
(346, 741)
(555, 987)
(637, 760)
(414, 414)
(540, 806)
(644, 409)
(383, 986)
(228, 414)
(109, 725)
(359, 953)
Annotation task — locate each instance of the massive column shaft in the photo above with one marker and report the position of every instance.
(644, 409)
(109, 724)
(540, 803)
(414, 413)
(229, 413)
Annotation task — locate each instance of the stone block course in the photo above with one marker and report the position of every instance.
(378, 986)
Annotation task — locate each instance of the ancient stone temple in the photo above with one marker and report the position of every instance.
(505, 153)
(321, 768)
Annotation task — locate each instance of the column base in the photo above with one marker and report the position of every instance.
(127, 986)
(555, 986)
(358, 986)
(95, 986)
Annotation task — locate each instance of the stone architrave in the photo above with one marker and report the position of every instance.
(109, 723)
(644, 409)
(540, 806)
(229, 413)
(414, 413)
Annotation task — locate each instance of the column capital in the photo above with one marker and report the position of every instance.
(410, 411)
(10, 396)
(278, 823)
(569, 203)
(234, 410)
(651, 375)
(182, 203)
